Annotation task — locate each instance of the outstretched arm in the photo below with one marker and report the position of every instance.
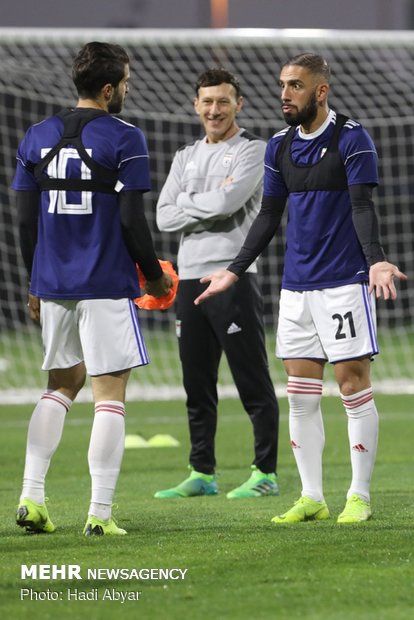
(259, 236)
(381, 272)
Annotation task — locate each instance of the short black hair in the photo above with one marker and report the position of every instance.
(215, 77)
(314, 63)
(97, 64)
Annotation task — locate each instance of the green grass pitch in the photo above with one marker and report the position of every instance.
(240, 566)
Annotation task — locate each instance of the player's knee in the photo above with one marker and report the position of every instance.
(69, 381)
(302, 405)
(347, 388)
(353, 385)
(353, 376)
(304, 395)
(79, 382)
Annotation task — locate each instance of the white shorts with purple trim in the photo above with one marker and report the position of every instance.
(334, 324)
(104, 333)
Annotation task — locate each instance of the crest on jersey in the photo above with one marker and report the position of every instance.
(227, 160)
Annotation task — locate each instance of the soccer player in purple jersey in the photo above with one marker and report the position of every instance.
(325, 164)
(82, 231)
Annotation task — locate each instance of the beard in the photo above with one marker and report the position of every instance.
(116, 103)
(304, 116)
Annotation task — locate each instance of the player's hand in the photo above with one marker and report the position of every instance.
(159, 288)
(219, 282)
(33, 303)
(381, 278)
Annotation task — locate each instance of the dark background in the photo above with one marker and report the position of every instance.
(352, 14)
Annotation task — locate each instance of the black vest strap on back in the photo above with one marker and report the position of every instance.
(104, 179)
(327, 174)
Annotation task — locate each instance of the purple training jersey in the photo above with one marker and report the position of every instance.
(322, 248)
(80, 253)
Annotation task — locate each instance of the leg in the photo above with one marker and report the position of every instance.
(354, 382)
(307, 439)
(299, 345)
(246, 353)
(67, 381)
(200, 354)
(305, 423)
(111, 386)
(44, 434)
(106, 447)
(112, 344)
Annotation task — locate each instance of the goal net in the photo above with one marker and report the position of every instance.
(372, 82)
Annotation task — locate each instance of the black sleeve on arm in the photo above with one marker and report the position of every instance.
(27, 204)
(260, 234)
(137, 235)
(366, 223)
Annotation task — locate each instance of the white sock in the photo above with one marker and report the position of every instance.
(307, 435)
(43, 437)
(105, 454)
(363, 438)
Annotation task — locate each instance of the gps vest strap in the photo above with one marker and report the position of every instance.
(104, 179)
(327, 174)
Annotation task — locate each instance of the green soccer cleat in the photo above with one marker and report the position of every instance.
(258, 485)
(34, 517)
(195, 485)
(97, 527)
(305, 509)
(356, 510)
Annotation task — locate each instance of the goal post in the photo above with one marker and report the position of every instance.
(372, 82)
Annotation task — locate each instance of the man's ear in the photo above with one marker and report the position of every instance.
(322, 92)
(240, 102)
(108, 91)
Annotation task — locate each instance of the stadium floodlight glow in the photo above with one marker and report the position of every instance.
(219, 10)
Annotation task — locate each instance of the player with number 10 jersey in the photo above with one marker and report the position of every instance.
(79, 233)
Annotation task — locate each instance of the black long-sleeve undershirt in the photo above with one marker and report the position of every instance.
(268, 219)
(137, 235)
(27, 214)
(260, 234)
(366, 223)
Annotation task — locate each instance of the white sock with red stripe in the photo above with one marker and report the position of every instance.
(363, 438)
(307, 435)
(43, 437)
(106, 449)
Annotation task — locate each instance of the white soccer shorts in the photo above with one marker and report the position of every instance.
(334, 324)
(104, 333)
